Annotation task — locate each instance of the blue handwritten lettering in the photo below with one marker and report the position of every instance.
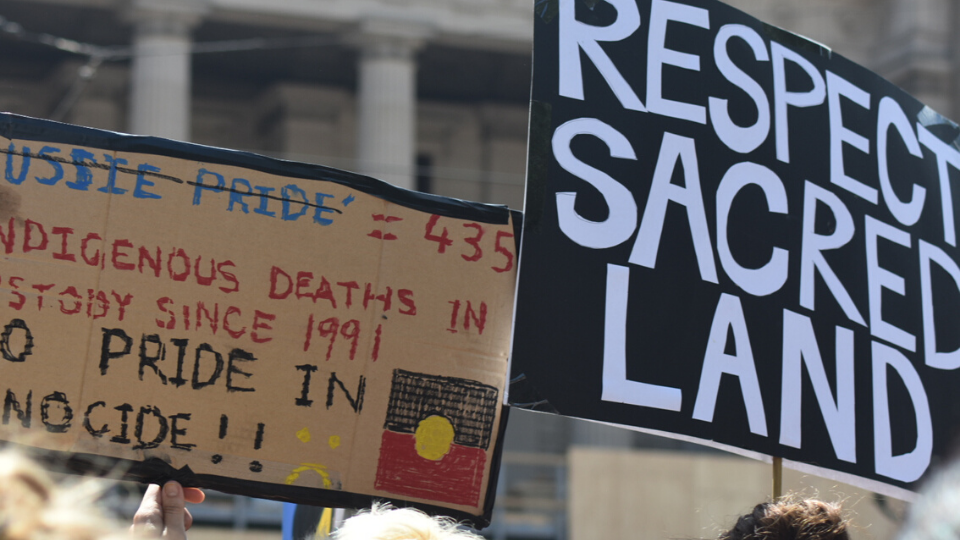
(320, 209)
(237, 197)
(24, 165)
(84, 176)
(262, 209)
(285, 194)
(111, 186)
(200, 185)
(139, 192)
(57, 168)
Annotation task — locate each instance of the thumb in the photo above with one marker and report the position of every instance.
(173, 511)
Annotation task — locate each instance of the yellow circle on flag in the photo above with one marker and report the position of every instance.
(434, 435)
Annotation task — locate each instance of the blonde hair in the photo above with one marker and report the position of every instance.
(382, 522)
(934, 515)
(34, 507)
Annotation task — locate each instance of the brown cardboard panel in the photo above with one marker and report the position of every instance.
(270, 329)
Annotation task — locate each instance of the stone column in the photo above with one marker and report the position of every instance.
(160, 71)
(387, 100)
(308, 123)
(504, 153)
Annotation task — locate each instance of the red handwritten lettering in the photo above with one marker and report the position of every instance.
(62, 255)
(29, 226)
(95, 261)
(258, 324)
(117, 255)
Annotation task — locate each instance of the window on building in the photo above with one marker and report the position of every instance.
(425, 173)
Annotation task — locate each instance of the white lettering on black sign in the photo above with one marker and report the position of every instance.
(739, 236)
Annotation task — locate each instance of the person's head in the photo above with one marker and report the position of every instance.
(383, 522)
(935, 515)
(791, 519)
(33, 506)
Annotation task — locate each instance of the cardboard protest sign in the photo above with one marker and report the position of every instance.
(256, 326)
(735, 236)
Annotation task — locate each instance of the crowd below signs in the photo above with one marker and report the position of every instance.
(33, 506)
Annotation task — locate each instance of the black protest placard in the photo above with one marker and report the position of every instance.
(735, 235)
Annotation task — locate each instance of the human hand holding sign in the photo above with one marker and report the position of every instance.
(163, 513)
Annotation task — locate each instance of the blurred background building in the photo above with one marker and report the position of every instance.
(431, 95)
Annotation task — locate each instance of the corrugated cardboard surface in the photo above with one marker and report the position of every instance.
(351, 288)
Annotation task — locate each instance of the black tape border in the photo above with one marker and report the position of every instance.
(14, 126)
(157, 471)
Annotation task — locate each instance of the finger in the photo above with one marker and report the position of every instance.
(187, 519)
(194, 495)
(173, 510)
(149, 517)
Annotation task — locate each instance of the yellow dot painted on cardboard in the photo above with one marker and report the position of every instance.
(304, 435)
(434, 436)
(334, 441)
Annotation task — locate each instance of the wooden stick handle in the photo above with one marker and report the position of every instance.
(777, 477)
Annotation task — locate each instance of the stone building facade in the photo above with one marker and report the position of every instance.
(427, 94)
(386, 88)
(398, 89)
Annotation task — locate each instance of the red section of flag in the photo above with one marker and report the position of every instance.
(455, 479)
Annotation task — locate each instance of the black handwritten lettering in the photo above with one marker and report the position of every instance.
(162, 431)
(304, 400)
(217, 370)
(106, 354)
(56, 400)
(175, 432)
(355, 402)
(181, 345)
(86, 420)
(238, 355)
(258, 440)
(125, 410)
(10, 403)
(5, 341)
(151, 361)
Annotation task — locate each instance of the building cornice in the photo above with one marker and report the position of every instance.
(504, 25)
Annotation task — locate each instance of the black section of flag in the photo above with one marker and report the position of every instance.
(470, 407)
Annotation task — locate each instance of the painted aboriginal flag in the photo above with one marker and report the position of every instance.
(435, 437)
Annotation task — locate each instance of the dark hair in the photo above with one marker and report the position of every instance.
(791, 519)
